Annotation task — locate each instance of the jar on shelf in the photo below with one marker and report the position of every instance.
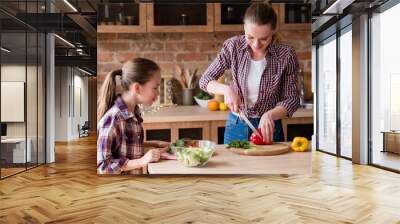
(183, 19)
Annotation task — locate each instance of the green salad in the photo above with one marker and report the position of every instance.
(193, 156)
(177, 143)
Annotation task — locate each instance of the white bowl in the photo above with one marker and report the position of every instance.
(201, 103)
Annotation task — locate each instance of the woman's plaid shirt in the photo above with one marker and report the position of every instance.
(278, 85)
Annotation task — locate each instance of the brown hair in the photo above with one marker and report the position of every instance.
(139, 70)
(262, 14)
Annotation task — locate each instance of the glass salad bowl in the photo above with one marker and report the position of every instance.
(193, 153)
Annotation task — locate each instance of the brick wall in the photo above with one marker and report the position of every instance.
(192, 50)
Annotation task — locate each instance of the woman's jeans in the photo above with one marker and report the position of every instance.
(237, 129)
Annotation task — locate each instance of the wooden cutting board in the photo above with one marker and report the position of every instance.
(263, 150)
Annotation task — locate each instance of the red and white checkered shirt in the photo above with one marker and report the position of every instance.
(120, 138)
(278, 85)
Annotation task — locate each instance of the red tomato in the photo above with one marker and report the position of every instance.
(257, 140)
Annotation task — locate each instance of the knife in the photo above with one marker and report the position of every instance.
(243, 117)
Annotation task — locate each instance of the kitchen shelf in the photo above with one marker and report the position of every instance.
(295, 16)
(229, 17)
(190, 17)
(122, 18)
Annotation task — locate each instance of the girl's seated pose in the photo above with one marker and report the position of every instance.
(120, 145)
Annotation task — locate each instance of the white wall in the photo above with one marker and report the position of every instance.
(70, 83)
(61, 103)
(16, 73)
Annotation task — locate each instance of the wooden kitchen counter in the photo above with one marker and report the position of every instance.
(196, 113)
(184, 114)
(226, 162)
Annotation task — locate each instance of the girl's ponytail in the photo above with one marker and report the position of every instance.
(138, 70)
(107, 93)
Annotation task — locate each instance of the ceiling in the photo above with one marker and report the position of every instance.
(72, 20)
(75, 21)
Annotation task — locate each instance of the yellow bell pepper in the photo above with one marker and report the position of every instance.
(299, 144)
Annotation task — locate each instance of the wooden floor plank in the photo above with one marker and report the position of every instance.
(70, 191)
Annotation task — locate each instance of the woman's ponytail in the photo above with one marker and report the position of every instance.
(276, 38)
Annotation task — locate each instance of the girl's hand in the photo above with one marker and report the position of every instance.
(267, 126)
(153, 155)
(155, 144)
(162, 144)
(232, 100)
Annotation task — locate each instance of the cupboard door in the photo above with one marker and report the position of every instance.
(229, 17)
(122, 18)
(295, 16)
(188, 17)
(193, 130)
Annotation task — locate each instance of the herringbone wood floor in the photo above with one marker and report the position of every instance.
(69, 191)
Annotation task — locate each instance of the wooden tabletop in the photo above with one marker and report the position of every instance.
(226, 162)
(197, 113)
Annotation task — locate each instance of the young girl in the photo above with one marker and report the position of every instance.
(120, 145)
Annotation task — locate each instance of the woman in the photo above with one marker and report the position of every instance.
(264, 77)
(120, 145)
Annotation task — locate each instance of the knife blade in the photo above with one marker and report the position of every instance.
(246, 120)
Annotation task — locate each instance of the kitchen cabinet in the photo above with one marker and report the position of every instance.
(183, 17)
(172, 123)
(122, 18)
(176, 130)
(192, 17)
(300, 124)
(192, 122)
(217, 130)
(229, 16)
(295, 16)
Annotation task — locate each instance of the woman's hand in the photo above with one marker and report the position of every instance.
(231, 99)
(267, 126)
(153, 155)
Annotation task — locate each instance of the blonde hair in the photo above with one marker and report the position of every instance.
(263, 14)
(139, 70)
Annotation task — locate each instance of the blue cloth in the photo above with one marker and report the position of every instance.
(236, 129)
